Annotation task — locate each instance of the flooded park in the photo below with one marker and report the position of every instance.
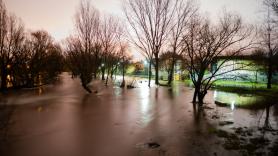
(138, 78)
(62, 119)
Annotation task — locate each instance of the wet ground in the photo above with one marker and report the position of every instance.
(63, 120)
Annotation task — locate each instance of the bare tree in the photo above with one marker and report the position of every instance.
(150, 23)
(81, 47)
(54, 62)
(109, 39)
(11, 42)
(24, 57)
(124, 60)
(269, 39)
(39, 44)
(184, 10)
(3, 34)
(205, 42)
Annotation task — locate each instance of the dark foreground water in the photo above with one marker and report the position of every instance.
(63, 120)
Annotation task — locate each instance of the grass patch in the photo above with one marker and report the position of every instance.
(242, 87)
(246, 85)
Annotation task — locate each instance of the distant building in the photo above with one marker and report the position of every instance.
(243, 68)
(177, 75)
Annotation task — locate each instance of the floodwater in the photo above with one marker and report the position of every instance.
(63, 120)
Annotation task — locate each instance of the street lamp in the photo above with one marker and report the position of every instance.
(146, 64)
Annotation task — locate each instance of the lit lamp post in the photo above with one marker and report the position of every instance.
(146, 65)
(102, 70)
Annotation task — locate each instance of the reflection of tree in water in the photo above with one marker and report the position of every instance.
(269, 102)
(267, 125)
(198, 113)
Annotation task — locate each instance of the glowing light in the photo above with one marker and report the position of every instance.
(40, 91)
(9, 77)
(146, 117)
(9, 83)
(233, 105)
(215, 95)
(145, 62)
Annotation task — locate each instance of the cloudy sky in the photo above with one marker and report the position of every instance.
(56, 16)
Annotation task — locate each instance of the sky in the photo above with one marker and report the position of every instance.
(56, 16)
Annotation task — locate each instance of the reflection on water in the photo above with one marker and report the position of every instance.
(40, 90)
(256, 112)
(145, 106)
(117, 91)
(233, 105)
(238, 100)
(66, 121)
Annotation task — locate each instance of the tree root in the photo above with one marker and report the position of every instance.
(86, 88)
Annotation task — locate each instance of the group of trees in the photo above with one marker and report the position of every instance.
(97, 47)
(26, 59)
(175, 29)
(163, 30)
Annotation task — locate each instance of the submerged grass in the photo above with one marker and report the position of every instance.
(242, 87)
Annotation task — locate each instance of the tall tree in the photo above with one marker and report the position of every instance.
(11, 41)
(205, 42)
(81, 46)
(150, 22)
(39, 44)
(3, 34)
(109, 38)
(270, 39)
(183, 12)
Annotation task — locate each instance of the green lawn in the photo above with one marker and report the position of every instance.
(244, 87)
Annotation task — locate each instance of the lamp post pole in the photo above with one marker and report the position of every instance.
(146, 65)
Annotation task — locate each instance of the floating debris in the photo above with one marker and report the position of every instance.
(149, 145)
(153, 145)
(223, 123)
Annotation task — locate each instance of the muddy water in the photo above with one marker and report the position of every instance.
(63, 120)
(246, 109)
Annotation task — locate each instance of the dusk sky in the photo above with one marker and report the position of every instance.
(56, 16)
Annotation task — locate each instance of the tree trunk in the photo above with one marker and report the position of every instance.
(170, 77)
(150, 73)
(123, 82)
(269, 75)
(195, 96)
(267, 125)
(156, 70)
(107, 77)
(84, 84)
(31, 80)
(86, 88)
(270, 55)
(196, 92)
(103, 73)
(201, 97)
(112, 73)
(3, 78)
